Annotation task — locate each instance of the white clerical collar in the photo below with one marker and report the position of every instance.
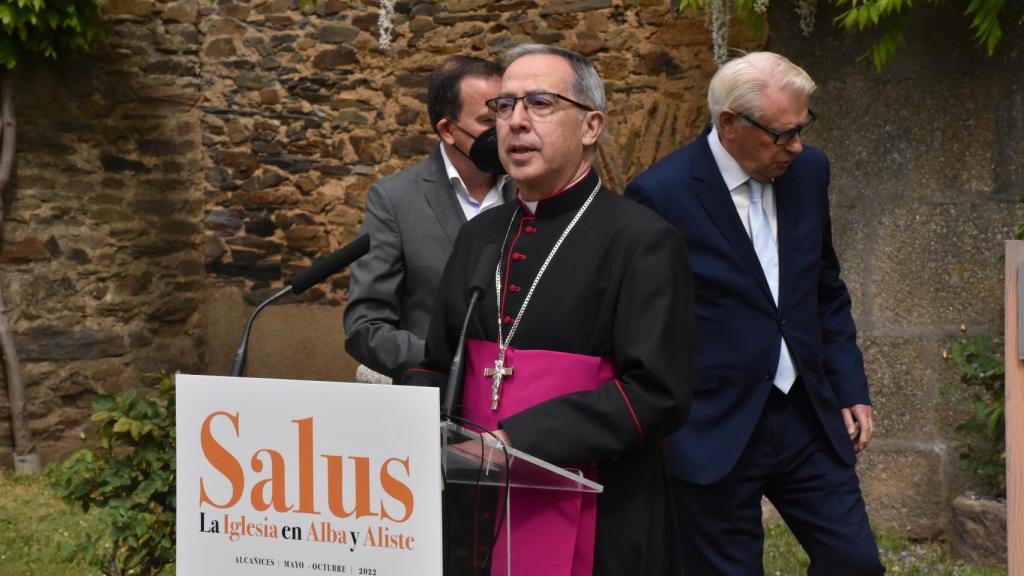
(469, 204)
(532, 205)
(733, 174)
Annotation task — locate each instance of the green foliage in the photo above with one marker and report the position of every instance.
(783, 556)
(35, 526)
(49, 28)
(129, 478)
(980, 389)
(746, 7)
(862, 14)
(887, 15)
(1020, 227)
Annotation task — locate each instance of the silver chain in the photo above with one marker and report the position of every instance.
(497, 271)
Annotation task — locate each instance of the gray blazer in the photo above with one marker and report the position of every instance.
(412, 218)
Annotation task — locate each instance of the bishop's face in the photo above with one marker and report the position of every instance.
(544, 153)
(753, 147)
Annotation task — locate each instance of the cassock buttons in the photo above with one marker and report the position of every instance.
(514, 288)
(518, 256)
(530, 229)
(506, 320)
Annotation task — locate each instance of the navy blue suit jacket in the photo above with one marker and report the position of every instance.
(738, 324)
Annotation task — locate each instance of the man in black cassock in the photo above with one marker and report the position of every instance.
(580, 350)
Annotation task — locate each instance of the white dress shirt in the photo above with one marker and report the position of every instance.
(470, 207)
(735, 177)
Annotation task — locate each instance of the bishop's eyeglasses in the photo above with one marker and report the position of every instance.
(784, 137)
(537, 105)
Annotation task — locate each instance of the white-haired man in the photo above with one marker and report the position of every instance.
(780, 404)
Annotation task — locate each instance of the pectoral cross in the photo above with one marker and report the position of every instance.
(497, 373)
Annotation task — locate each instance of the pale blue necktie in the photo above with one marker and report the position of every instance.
(768, 255)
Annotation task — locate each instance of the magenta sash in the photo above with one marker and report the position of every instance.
(553, 533)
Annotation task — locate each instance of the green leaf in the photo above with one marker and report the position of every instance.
(104, 402)
(123, 425)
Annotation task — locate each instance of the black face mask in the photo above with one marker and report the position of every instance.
(484, 152)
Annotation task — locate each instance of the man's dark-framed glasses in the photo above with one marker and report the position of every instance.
(537, 105)
(784, 137)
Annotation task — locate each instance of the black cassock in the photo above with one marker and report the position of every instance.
(618, 287)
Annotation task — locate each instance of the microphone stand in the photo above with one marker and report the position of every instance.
(240, 354)
(454, 388)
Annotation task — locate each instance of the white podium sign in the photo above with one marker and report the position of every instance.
(298, 477)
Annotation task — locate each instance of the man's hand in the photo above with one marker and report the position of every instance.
(503, 437)
(860, 425)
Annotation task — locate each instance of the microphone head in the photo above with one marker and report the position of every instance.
(483, 274)
(330, 265)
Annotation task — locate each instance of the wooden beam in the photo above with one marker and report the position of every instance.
(1014, 414)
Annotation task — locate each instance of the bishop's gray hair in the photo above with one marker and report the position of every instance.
(587, 87)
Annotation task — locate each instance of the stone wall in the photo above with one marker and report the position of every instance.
(176, 177)
(102, 263)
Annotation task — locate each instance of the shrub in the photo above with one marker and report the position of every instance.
(980, 388)
(129, 478)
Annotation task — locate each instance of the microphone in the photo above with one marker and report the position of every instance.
(330, 265)
(319, 271)
(482, 276)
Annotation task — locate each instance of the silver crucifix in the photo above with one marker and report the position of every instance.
(497, 373)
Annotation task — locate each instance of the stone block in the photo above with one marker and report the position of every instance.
(412, 146)
(678, 30)
(263, 179)
(174, 309)
(330, 7)
(184, 11)
(265, 247)
(114, 163)
(366, 22)
(239, 11)
(574, 6)
(54, 343)
(421, 25)
(904, 488)
(24, 250)
(979, 530)
(904, 386)
(270, 198)
(225, 27)
(854, 244)
(659, 61)
(129, 7)
(337, 34)
(939, 265)
(335, 57)
(223, 47)
(464, 5)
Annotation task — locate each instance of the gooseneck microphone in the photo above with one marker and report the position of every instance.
(330, 265)
(482, 277)
(319, 271)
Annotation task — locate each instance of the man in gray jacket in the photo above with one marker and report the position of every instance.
(412, 218)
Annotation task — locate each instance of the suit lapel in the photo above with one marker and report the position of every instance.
(714, 196)
(786, 208)
(440, 196)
